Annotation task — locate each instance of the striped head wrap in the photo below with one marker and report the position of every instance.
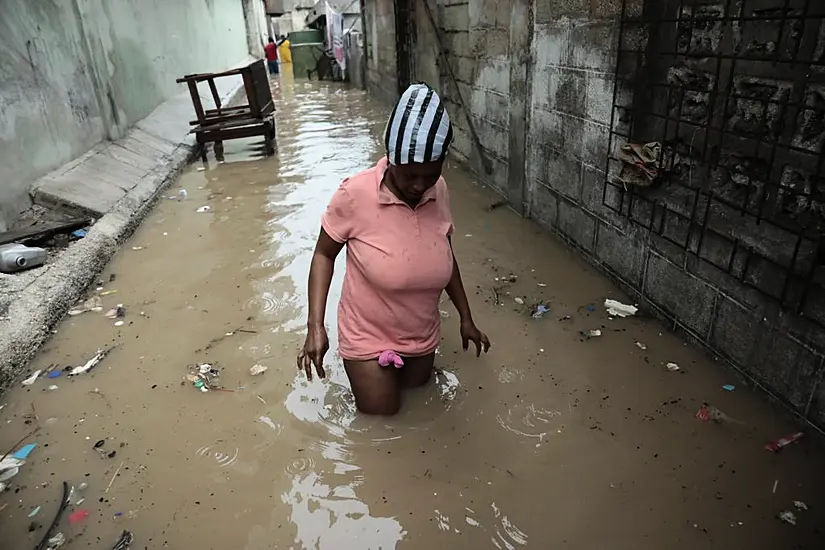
(419, 128)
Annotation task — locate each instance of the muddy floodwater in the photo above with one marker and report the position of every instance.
(549, 441)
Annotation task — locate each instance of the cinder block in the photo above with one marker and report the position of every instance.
(457, 42)
(494, 75)
(544, 204)
(752, 299)
(456, 18)
(576, 224)
(562, 173)
(493, 107)
(623, 252)
(593, 45)
(788, 368)
(600, 198)
(490, 13)
(606, 9)
(486, 42)
(548, 11)
(683, 296)
(816, 408)
(736, 331)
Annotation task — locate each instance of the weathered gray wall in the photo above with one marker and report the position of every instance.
(74, 72)
(381, 72)
(538, 80)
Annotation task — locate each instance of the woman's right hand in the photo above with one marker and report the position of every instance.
(315, 347)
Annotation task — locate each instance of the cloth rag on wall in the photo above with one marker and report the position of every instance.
(640, 163)
(419, 128)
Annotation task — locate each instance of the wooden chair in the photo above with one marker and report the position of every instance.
(255, 118)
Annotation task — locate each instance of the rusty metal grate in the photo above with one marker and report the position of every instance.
(734, 91)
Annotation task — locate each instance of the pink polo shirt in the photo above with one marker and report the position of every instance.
(398, 262)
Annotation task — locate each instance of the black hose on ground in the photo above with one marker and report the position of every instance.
(63, 502)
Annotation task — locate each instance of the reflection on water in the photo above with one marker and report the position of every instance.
(331, 516)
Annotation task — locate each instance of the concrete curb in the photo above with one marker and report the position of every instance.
(35, 311)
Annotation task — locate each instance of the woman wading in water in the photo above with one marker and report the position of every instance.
(396, 224)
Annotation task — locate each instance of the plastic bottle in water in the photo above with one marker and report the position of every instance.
(17, 257)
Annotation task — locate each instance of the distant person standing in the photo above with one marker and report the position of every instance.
(271, 51)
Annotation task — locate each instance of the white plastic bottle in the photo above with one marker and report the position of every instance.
(17, 257)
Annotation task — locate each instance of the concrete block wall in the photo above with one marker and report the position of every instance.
(379, 20)
(75, 72)
(543, 118)
(476, 37)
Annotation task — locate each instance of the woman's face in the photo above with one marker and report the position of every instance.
(414, 179)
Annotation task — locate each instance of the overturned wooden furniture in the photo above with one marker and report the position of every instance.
(255, 118)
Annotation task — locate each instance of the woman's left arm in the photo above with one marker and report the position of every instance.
(469, 330)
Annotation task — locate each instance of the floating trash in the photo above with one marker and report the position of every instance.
(256, 370)
(728, 387)
(31, 379)
(788, 517)
(588, 334)
(91, 363)
(618, 309)
(540, 311)
(92, 304)
(204, 376)
(781, 443)
(203, 209)
(672, 367)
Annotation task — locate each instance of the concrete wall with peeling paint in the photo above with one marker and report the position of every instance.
(75, 72)
(537, 80)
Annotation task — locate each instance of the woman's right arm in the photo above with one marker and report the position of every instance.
(320, 278)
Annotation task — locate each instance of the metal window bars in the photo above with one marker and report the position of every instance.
(734, 91)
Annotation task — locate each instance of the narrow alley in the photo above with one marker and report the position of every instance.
(552, 440)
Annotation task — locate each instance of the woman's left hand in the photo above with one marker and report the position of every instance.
(470, 333)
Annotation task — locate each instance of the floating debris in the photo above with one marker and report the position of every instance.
(91, 363)
(204, 376)
(641, 346)
(800, 505)
(78, 516)
(565, 318)
(117, 312)
(52, 387)
(56, 541)
(203, 209)
(31, 379)
(23, 452)
(519, 300)
(708, 412)
(588, 334)
(618, 309)
(672, 367)
(728, 387)
(92, 304)
(124, 541)
(788, 517)
(256, 370)
(540, 311)
(34, 512)
(781, 443)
